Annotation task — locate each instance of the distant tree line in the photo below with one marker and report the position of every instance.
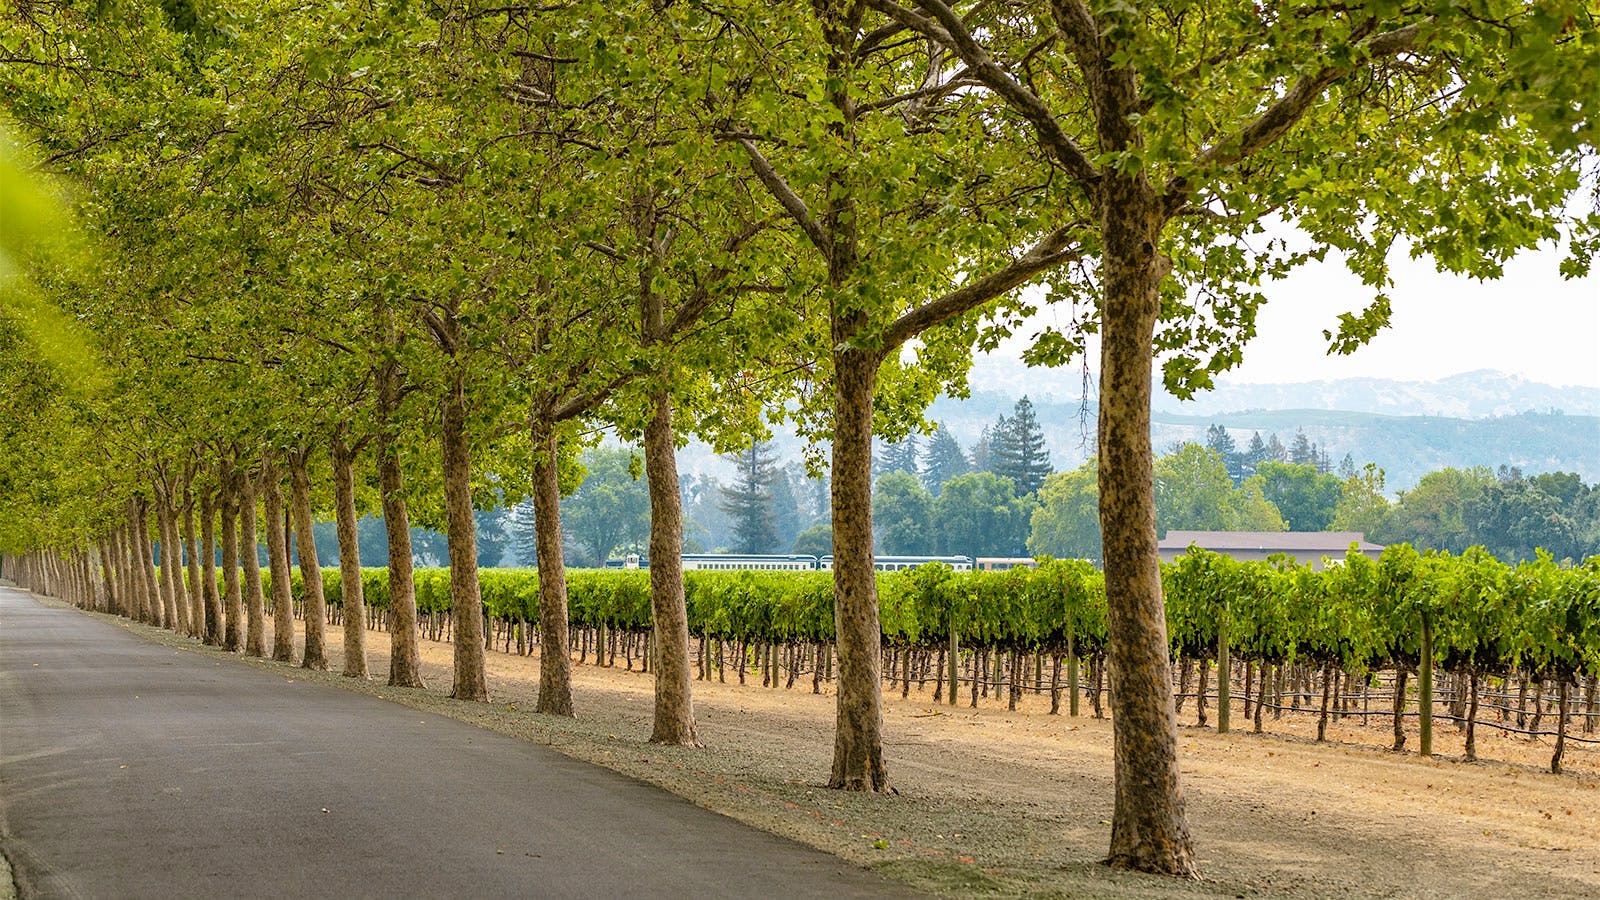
(1002, 497)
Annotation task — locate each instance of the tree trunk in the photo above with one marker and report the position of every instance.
(208, 568)
(147, 567)
(674, 712)
(197, 605)
(405, 655)
(351, 596)
(315, 609)
(233, 599)
(255, 641)
(172, 563)
(1322, 717)
(1149, 831)
(405, 660)
(278, 564)
(555, 654)
(1261, 693)
(858, 763)
(466, 601)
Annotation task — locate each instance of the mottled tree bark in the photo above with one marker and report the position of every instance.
(466, 603)
(197, 603)
(1149, 830)
(233, 605)
(405, 657)
(555, 659)
(171, 563)
(278, 564)
(351, 596)
(208, 568)
(314, 606)
(147, 565)
(255, 641)
(674, 712)
(858, 763)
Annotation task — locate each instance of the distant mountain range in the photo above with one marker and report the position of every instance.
(1469, 395)
(1408, 428)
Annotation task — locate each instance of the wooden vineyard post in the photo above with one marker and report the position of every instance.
(954, 652)
(1224, 672)
(1425, 691)
(1072, 675)
(1561, 728)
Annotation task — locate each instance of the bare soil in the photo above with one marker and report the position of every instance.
(1004, 803)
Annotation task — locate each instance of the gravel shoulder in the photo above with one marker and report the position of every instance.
(1004, 803)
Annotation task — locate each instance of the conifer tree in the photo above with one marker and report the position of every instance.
(1017, 449)
(942, 460)
(749, 501)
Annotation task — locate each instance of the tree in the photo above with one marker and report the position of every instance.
(903, 515)
(1307, 498)
(899, 456)
(1433, 515)
(942, 460)
(1362, 503)
(982, 453)
(748, 502)
(896, 146)
(1302, 452)
(1193, 491)
(1255, 454)
(787, 516)
(1066, 524)
(815, 541)
(1019, 452)
(1218, 439)
(610, 508)
(981, 515)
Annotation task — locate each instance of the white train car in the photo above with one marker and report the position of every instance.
(896, 563)
(727, 562)
(1002, 563)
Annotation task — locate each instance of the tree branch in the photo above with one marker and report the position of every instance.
(1053, 249)
(785, 195)
(947, 28)
(1277, 119)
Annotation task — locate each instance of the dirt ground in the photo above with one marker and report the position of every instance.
(1004, 803)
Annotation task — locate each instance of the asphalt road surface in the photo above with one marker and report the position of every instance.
(130, 769)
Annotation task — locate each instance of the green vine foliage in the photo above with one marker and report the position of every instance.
(1356, 613)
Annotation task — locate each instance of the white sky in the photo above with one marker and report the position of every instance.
(1529, 323)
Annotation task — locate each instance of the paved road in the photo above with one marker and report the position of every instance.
(130, 769)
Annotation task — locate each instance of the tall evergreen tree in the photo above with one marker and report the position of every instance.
(1017, 449)
(1255, 454)
(900, 456)
(942, 460)
(1301, 451)
(1218, 439)
(982, 453)
(789, 515)
(1276, 452)
(749, 501)
(1347, 467)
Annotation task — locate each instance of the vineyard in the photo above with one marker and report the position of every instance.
(1520, 641)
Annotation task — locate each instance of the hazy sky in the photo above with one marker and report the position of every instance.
(1529, 323)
